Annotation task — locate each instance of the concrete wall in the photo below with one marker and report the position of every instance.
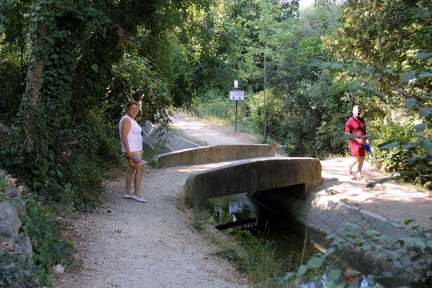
(172, 142)
(249, 176)
(212, 154)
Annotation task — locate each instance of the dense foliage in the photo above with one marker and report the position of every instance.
(83, 61)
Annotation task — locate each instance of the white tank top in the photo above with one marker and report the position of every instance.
(134, 135)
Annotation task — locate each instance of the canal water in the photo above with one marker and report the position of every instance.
(291, 246)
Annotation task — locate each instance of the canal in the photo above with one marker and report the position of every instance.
(291, 244)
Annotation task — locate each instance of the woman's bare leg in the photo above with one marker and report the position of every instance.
(137, 181)
(129, 176)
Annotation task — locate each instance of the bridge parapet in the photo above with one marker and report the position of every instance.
(213, 154)
(249, 176)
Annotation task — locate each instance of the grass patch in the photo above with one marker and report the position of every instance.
(252, 256)
(4, 186)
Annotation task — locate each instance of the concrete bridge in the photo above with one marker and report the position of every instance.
(213, 154)
(252, 168)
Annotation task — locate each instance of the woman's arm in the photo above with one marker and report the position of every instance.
(126, 126)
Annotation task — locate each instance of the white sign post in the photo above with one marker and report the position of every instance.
(236, 95)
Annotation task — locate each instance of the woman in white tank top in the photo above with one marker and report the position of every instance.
(131, 139)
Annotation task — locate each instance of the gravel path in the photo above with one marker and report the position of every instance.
(130, 244)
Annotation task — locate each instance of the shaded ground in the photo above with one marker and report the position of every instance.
(130, 244)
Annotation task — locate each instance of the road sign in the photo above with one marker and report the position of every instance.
(237, 95)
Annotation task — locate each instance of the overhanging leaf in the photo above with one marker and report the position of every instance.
(378, 93)
(367, 70)
(95, 67)
(334, 275)
(412, 242)
(426, 145)
(411, 102)
(302, 270)
(287, 277)
(408, 77)
(324, 65)
(416, 159)
(425, 75)
(314, 263)
(353, 88)
(420, 127)
(336, 67)
(423, 55)
(315, 63)
(329, 251)
(410, 145)
(425, 112)
(390, 145)
(352, 69)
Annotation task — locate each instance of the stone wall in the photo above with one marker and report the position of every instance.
(15, 247)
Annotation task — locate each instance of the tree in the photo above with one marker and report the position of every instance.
(385, 43)
(385, 34)
(74, 48)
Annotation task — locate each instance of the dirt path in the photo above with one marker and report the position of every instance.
(130, 244)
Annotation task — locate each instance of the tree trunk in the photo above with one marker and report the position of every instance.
(34, 76)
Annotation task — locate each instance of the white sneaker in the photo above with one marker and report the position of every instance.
(139, 199)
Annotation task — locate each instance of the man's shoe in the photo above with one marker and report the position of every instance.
(127, 196)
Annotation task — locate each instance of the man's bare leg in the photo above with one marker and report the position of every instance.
(355, 160)
(360, 166)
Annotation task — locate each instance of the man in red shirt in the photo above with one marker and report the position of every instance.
(356, 126)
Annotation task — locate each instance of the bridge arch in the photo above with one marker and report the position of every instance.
(252, 175)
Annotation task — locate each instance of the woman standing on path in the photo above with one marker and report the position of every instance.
(130, 135)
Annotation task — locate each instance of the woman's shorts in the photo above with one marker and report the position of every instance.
(136, 160)
(358, 151)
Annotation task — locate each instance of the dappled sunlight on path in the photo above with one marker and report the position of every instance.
(394, 202)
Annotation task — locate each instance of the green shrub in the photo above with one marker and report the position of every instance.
(214, 105)
(48, 249)
(403, 157)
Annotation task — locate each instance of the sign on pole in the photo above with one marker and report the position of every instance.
(237, 95)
